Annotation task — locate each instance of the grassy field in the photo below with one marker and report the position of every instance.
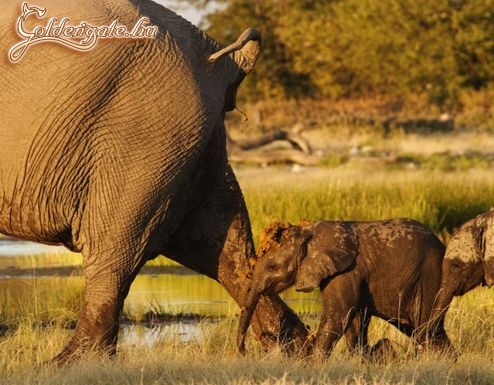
(365, 188)
(442, 200)
(213, 359)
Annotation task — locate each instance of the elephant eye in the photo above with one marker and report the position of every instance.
(271, 267)
(456, 264)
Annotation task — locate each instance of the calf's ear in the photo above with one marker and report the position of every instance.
(488, 257)
(332, 250)
(297, 238)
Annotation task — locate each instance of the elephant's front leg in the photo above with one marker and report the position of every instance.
(341, 297)
(433, 335)
(216, 240)
(431, 332)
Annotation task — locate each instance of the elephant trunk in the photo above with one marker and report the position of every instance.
(434, 332)
(246, 317)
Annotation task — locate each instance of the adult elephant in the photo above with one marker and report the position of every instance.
(119, 153)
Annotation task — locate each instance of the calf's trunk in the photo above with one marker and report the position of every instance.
(246, 317)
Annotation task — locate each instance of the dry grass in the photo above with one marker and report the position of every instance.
(53, 301)
(365, 191)
(58, 258)
(335, 140)
(213, 360)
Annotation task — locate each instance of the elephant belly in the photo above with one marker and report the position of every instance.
(33, 220)
(32, 203)
(393, 304)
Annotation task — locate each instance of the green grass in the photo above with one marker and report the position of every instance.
(213, 359)
(441, 200)
(37, 310)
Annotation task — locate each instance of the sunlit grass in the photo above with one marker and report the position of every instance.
(177, 294)
(337, 140)
(56, 300)
(441, 200)
(40, 301)
(469, 323)
(59, 258)
(27, 347)
(35, 261)
(212, 359)
(36, 311)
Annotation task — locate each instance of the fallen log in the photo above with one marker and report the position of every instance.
(246, 150)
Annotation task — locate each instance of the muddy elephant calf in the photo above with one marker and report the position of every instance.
(390, 269)
(468, 261)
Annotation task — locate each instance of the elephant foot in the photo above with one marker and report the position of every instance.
(79, 347)
(441, 345)
(360, 351)
(315, 355)
(74, 353)
(67, 355)
(276, 324)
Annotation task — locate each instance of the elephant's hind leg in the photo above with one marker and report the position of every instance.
(216, 240)
(357, 333)
(109, 272)
(341, 298)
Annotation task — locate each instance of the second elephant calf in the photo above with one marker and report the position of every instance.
(390, 269)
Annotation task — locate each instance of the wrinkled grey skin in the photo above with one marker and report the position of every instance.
(390, 269)
(119, 153)
(468, 262)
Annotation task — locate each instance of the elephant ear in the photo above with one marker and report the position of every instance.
(244, 52)
(466, 244)
(246, 49)
(284, 238)
(332, 250)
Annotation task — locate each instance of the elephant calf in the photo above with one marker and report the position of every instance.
(390, 269)
(468, 261)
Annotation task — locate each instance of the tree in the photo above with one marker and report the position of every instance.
(355, 48)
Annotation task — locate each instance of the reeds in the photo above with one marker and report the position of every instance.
(441, 200)
(37, 311)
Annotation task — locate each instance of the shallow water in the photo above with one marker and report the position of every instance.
(23, 248)
(171, 294)
(181, 332)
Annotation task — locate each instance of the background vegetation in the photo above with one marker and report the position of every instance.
(356, 48)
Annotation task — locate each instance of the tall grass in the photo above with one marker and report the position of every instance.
(44, 301)
(213, 358)
(440, 200)
(40, 260)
